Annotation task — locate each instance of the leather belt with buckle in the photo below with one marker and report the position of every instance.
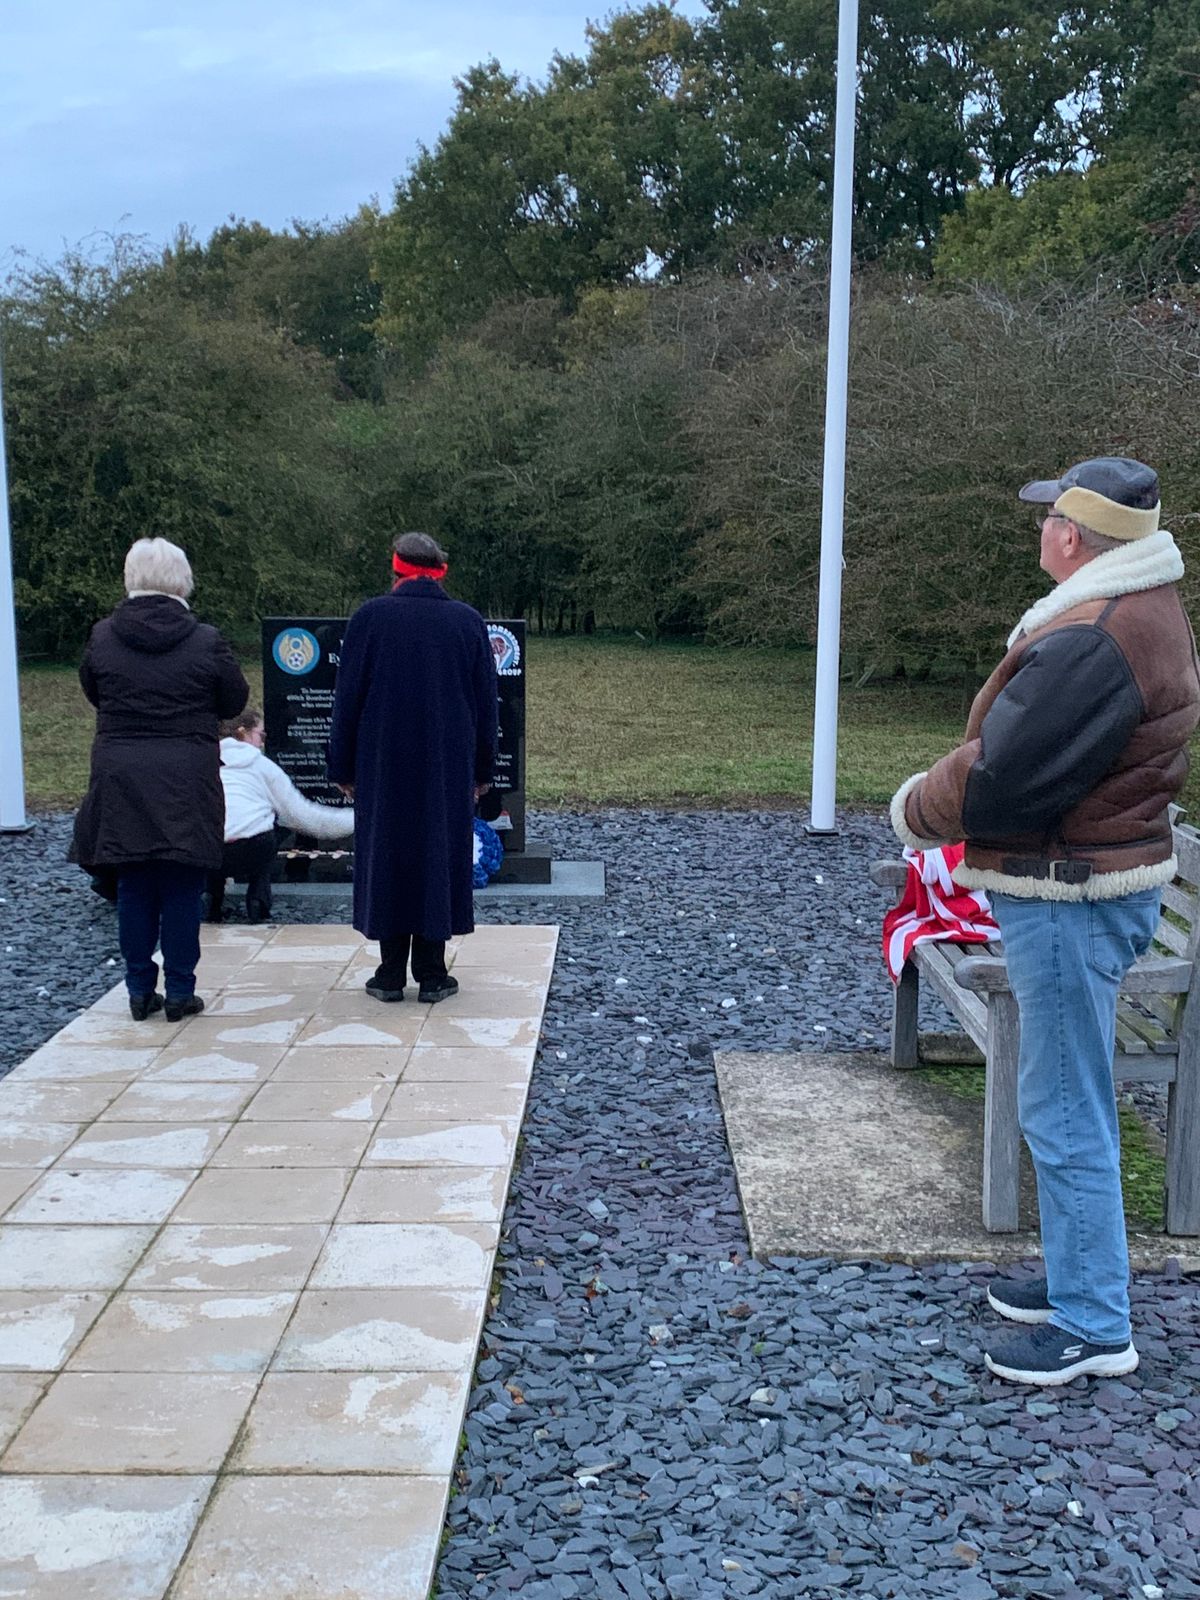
(1054, 871)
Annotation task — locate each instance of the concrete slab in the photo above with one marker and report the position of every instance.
(840, 1155)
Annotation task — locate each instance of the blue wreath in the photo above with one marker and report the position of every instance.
(489, 853)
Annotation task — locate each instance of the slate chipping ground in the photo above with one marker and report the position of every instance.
(654, 1414)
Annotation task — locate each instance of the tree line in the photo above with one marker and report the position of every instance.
(584, 346)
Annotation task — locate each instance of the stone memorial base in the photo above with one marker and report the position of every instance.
(531, 865)
(569, 880)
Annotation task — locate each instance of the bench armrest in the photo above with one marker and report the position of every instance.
(982, 974)
(889, 874)
(1158, 975)
(1150, 975)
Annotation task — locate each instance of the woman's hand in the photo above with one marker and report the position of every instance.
(347, 789)
(480, 790)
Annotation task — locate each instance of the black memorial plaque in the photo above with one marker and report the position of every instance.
(508, 649)
(300, 661)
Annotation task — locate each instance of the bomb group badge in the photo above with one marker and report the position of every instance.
(296, 651)
(506, 650)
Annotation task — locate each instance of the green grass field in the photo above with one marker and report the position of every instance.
(617, 722)
(614, 721)
(1143, 1160)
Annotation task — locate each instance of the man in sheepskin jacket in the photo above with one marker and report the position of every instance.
(1074, 748)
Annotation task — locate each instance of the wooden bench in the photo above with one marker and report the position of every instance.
(1158, 1036)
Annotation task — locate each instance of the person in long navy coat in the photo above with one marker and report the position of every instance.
(414, 741)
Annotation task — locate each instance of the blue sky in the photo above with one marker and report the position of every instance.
(137, 115)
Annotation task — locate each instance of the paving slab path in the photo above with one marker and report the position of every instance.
(244, 1264)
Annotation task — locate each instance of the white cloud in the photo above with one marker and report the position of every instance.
(167, 111)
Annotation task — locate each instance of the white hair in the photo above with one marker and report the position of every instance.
(156, 566)
(1097, 544)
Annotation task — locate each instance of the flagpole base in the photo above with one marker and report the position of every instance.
(16, 827)
(821, 833)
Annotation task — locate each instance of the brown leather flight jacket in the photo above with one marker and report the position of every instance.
(1074, 748)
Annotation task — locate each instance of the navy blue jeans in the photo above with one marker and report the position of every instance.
(158, 902)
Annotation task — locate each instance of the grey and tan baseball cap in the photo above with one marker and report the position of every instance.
(1112, 495)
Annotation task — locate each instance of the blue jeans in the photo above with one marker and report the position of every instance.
(159, 901)
(1066, 960)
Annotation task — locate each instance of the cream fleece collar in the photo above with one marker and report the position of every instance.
(1145, 564)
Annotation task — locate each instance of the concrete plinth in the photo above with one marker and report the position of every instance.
(841, 1155)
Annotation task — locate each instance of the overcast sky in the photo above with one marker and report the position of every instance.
(137, 115)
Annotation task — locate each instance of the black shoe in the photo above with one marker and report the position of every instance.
(1048, 1356)
(377, 991)
(142, 1006)
(178, 1009)
(440, 989)
(1020, 1299)
(256, 911)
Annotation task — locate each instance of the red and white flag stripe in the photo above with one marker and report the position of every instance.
(934, 907)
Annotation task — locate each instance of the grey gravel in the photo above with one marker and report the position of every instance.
(656, 1417)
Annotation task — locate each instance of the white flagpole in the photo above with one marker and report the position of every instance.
(12, 764)
(833, 489)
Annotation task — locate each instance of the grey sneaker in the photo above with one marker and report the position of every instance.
(1049, 1356)
(1020, 1299)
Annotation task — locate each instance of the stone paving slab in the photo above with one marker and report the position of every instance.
(244, 1266)
(841, 1155)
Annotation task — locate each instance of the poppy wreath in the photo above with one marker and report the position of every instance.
(489, 853)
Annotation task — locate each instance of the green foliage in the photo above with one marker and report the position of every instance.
(542, 191)
(134, 412)
(313, 285)
(669, 147)
(1133, 213)
(460, 458)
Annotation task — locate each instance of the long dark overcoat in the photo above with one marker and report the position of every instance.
(414, 729)
(160, 681)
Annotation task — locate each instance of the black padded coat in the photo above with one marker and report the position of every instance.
(161, 681)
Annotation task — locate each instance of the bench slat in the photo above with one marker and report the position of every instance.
(1128, 1041)
(1187, 848)
(1175, 939)
(1166, 1007)
(1186, 844)
(1144, 1030)
(936, 963)
(1181, 902)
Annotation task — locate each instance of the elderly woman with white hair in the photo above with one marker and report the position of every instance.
(153, 817)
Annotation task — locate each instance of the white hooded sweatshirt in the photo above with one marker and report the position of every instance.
(257, 791)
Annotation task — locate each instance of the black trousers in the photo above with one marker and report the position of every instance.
(247, 861)
(428, 960)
